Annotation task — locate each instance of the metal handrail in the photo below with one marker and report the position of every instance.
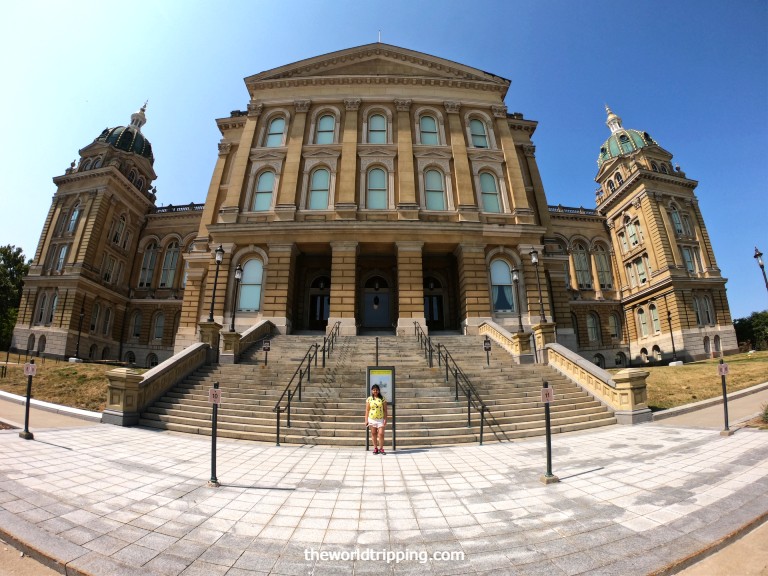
(460, 379)
(309, 356)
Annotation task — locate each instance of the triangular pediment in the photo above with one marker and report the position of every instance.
(377, 60)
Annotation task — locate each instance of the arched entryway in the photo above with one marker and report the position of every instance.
(319, 303)
(376, 304)
(434, 303)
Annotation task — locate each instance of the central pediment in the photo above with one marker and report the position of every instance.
(378, 61)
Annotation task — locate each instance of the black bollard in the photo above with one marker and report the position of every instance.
(30, 370)
(546, 396)
(214, 481)
(723, 370)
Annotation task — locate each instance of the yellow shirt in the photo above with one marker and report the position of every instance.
(376, 407)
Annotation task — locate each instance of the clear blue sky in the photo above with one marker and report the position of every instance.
(694, 74)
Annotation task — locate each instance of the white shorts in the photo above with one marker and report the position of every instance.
(376, 422)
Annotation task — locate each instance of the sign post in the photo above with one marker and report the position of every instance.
(547, 396)
(214, 397)
(384, 377)
(722, 369)
(266, 347)
(487, 348)
(30, 370)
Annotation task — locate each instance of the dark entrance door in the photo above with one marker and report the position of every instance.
(319, 303)
(376, 305)
(434, 312)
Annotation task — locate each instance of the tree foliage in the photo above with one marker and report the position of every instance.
(753, 329)
(13, 267)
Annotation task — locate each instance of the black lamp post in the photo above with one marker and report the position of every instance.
(759, 258)
(238, 277)
(79, 330)
(219, 256)
(672, 336)
(535, 259)
(516, 281)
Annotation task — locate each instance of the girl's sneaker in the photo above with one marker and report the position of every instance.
(382, 452)
(376, 451)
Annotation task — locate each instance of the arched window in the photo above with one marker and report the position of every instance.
(642, 322)
(707, 347)
(132, 176)
(501, 287)
(575, 324)
(654, 318)
(96, 164)
(664, 168)
(599, 360)
(434, 190)
(603, 264)
(148, 266)
(654, 167)
(377, 129)
(656, 351)
(489, 193)
(130, 357)
(151, 360)
(593, 328)
(717, 343)
(620, 359)
(140, 183)
(619, 179)
(170, 263)
(614, 325)
(95, 312)
(52, 310)
(85, 165)
(117, 235)
(93, 352)
(41, 345)
(41, 308)
(707, 315)
(428, 131)
(626, 145)
(275, 132)
(136, 324)
(107, 323)
(157, 329)
(644, 355)
(377, 190)
(250, 286)
(31, 342)
(265, 187)
(318, 190)
(611, 185)
(478, 133)
(696, 310)
(631, 231)
(62, 257)
(676, 220)
(623, 240)
(325, 129)
(105, 354)
(73, 219)
(581, 265)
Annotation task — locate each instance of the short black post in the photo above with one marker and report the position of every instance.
(214, 422)
(456, 380)
(277, 428)
(548, 478)
(288, 418)
(439, 357)
(429, 343)
(487, 347)
(723, 371)
(27, 435)
(325, 343)
(469, 408)
(301, 377)
(446, 367)
(482, 422)
(266, 356)
(316, 354)
(377, 351)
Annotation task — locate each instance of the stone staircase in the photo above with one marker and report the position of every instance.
(331, 411)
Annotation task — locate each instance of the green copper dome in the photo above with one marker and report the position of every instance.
(130, 138)
(622, 140)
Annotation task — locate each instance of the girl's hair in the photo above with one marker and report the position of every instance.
(379, 389)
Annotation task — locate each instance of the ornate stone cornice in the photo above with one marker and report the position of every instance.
(402, 105)
(352, 103)
(254, 109)
(301, 105)
(452, 107)
(529, 150)
(224, 148)
(499, 111)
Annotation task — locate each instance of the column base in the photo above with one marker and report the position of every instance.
(348, 326)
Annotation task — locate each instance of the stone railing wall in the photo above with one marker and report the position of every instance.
(624, 392)
(517, 343)
(235, 344)
(129, 393)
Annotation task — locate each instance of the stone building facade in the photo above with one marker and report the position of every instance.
(375, 187)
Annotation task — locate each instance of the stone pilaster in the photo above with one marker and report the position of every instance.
(343, 287)
(345, 199)
(465, 195)
(543, 334)
(407, 204)
(410, 283)
(279, 286)
(289, 180)
(474, 296)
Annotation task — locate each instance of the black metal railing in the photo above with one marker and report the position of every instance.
(301, 376)
(461, 381)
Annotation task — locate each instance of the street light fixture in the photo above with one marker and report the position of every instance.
(219, 256)
(535, 259)
(759, 258)
(672, 336)
(516, 281)
(79, 330)
(238, 277)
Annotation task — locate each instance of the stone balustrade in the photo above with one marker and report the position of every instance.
(235, 343)
(518, 344)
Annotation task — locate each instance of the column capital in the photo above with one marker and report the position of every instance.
(352, 103)
(224, 148)
(402, 105)
(301, 105)
(499, 111)
(254, 109)
(452, 107)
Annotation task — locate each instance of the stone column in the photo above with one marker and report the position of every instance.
(230, 352)
(543, 334)
(632, 396)
(343, 287)
(285, 207)
(410, 287)
(124, 397)
(474, 294)
(519, 200)
(210, 214)
(278, 287)
(407, 204)
(230, 207)
(345, 202)
(465, 196)
(595, 275)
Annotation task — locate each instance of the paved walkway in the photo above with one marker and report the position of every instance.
(104, 500)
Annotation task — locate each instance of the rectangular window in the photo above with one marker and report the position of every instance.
(640, 270)
(109, 268)
(62, 258)
(631, 276)
(688, 259)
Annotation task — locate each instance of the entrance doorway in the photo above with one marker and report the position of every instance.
(376, 304)
(319, 303)
(433, 304)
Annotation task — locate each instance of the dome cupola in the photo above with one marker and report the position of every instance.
(129, 138)
(622, 140)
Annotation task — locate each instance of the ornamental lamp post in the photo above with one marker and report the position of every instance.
(79, 330)
(516, 282)
(759, 258)
(238, 277)
(535, 259)
(671, 336)
(219, 256)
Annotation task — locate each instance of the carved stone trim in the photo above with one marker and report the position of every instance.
(529, 150)
(499, 111)
(351, 103)
(452, 107)
(301, 105)
(402, 105)
(254, 109)
(224, 148)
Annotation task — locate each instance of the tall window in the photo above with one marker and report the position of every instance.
(676, 220)
(631, 276)
(619, 179)
(136, 324)
(117, 235)
(325, 129)
(61, 258)
(265, 186)
(603, 264)
(614, 325)
(52, 312)
(148, 266)
(318, 190)
(642, 322)
(623, 240)
(41, 308)
(593, 328)
(95, 317)
(640, 267)
(250, 286)
(275, 132)
(73, 219)
(632, 232)
(478, 134)
(157, 330)
(170, 263)
(581, 264)
(434, 190)
(107, 322)
(501, 287)
(688, 259)
(377, 189)
(697, 310)
(705, 304)
(109, 269)
(377, 129)
(654, 318)
(428, 131)
(489, 193)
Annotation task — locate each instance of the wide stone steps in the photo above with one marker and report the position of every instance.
(331, 409)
